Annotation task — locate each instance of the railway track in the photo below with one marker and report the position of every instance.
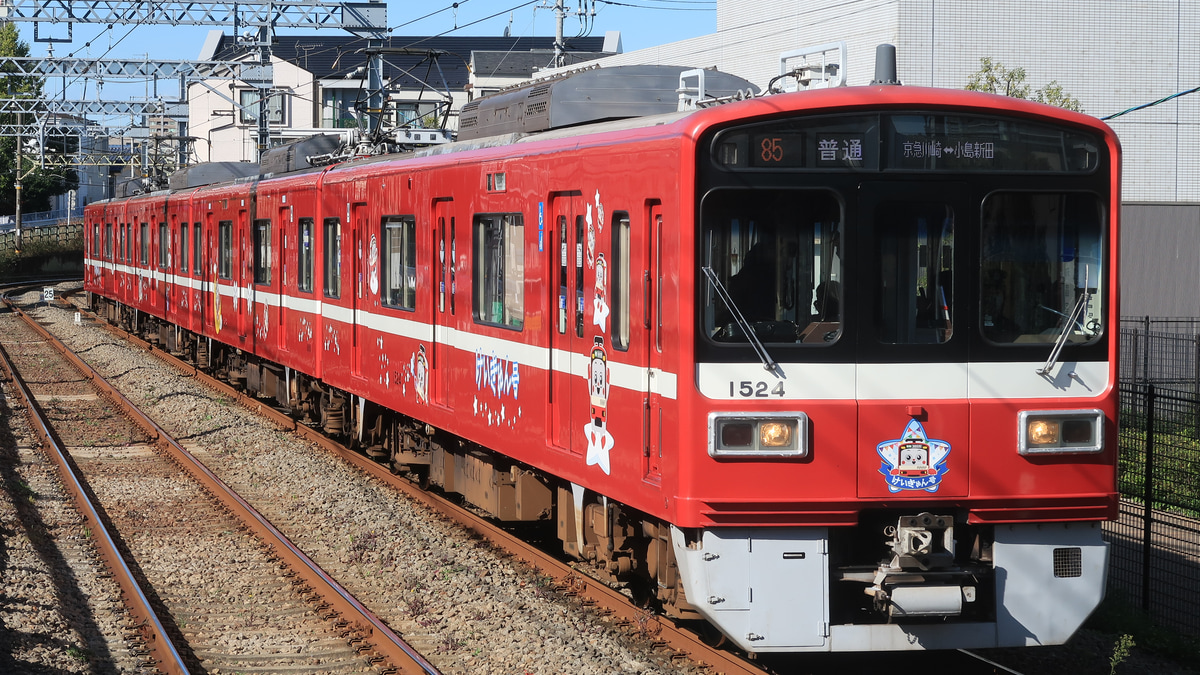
(209, 582)
(421, 624)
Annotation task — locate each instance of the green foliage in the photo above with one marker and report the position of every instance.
(1119, 618)
(994, 78)
(38, 184)
(1120, 652)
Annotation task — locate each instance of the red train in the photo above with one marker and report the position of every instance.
(830, 370)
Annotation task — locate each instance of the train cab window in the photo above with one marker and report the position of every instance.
(619, 275)
(145, 244)
(108, 241)
(499, 275)
(262, 251)
(164, 246)
(916, 264)
(304, 254)
(183, 248)
(333, 257)
(399, 287)
(196, 239)
(1042, 268)
(225, 249)
(776, 258)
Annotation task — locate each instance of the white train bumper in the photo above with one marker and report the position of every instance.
(768, 590)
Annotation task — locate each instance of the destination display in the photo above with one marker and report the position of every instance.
(907, 142)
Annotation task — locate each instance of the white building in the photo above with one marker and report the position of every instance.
(1110, 55)
(318, 80)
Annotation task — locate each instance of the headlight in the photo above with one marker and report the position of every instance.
(739, 435)
(1041, 432)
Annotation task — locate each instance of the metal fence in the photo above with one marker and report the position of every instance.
(1155, 561)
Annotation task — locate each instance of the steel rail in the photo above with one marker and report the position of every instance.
(336, 600)
(163, 654)
(589, 591)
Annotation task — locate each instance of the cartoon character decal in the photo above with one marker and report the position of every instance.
(914, 461)
(421, 374)
(373, 265)
(600, 441)
(600, 302)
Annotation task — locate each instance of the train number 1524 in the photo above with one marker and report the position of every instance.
(760, 389)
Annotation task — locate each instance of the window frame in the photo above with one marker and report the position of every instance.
(406, 226)
(225, 249)
(331, 240)
(262, 251)
(498, 286)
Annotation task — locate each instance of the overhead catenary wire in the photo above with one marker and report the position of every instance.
(1151, 105)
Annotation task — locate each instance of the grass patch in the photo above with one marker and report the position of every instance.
(1117, 616)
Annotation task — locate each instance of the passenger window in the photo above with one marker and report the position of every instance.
(183, 248)
(262, 251)
(145, 241)
(618, 270)
(499, 278)
(164, 246)
(304, 266)
(399, 286)
(196, 239)
(108, 241)
(333, 257)
(225, 249)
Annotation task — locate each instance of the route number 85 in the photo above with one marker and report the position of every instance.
(772, 149)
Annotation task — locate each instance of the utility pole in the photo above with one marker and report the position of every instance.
(560, 15)
(17, 184)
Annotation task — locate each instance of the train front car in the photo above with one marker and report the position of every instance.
(903, 430)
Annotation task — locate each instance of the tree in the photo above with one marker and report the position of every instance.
(38, 185)
(994, 78)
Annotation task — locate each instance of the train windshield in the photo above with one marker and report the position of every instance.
(1041, 267)
(778, 253)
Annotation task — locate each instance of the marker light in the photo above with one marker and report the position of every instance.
(738, 435)
(1042, 432)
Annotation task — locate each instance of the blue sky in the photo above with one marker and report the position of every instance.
(643, 23)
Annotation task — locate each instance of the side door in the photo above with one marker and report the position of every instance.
(568, 396)
(442, 297)
(912, 373)
(652, 340)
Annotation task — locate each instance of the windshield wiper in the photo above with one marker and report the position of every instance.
(768, 362)
(1069, 325)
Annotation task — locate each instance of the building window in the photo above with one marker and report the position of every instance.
(196, 250)
(416, 114)
(499, 296)
(145, 244)
(248, 99)
(225, 246)
(164, 246)
(619, 279)
(400, 262)
(333, 257)
(262, 251)
(337, 108)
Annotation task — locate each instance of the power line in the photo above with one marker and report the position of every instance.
(665, 9)
(1151, 105)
